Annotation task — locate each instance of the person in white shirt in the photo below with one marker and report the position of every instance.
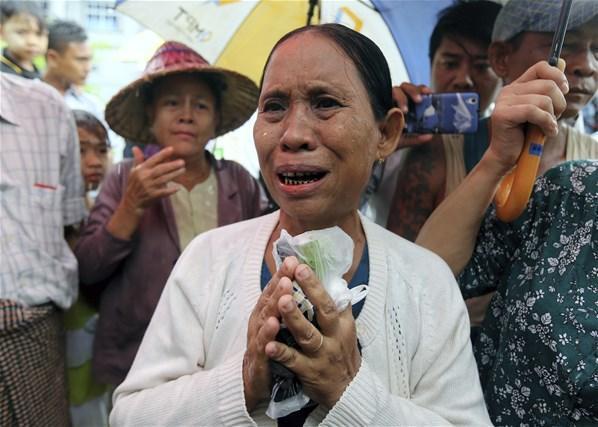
(68, 65)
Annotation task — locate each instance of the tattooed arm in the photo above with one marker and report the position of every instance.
(419, 189)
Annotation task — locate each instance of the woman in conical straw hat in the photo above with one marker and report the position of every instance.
(150, 208)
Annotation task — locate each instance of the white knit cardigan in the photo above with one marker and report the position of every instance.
(417, 364)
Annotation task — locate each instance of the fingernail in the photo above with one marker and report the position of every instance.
(302, 272)
(565, 86)
(288, 306)
(555, 128)
(271, 349)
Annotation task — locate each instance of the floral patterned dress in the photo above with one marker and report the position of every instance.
(537, 352)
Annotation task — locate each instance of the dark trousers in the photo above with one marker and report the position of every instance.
(32, 366)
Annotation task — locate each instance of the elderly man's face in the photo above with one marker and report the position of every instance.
(315, 132)
(580, 51)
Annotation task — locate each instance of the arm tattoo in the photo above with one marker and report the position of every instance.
(419, 185)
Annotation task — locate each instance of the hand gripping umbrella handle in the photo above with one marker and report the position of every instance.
(516, 187)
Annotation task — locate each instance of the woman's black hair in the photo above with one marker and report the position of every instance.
(365, 55)
(91, 123)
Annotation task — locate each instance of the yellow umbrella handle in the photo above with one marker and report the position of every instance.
(516, 187)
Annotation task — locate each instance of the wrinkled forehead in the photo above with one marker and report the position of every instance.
(182, 83)
(310, 55)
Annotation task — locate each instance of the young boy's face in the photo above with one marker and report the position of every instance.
(94, 156)
(23, 37)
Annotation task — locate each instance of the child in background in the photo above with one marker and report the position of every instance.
(95, 148)
(88, 399)
(24, 33)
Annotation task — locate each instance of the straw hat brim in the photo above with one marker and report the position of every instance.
(126, 111)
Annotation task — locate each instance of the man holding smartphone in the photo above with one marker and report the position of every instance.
(459, 63)
(522, 36)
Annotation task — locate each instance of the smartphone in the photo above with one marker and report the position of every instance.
(444, 113)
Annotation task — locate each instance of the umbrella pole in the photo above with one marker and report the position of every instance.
(310, 11)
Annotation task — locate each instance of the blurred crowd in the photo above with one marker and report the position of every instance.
(128, 283)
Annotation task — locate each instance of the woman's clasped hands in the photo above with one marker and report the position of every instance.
(327, 359)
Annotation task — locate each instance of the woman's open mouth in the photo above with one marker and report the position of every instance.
(300, 178)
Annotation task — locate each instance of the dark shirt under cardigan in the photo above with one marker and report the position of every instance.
(361, 277)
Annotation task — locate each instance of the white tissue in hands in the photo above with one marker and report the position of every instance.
(329, 253)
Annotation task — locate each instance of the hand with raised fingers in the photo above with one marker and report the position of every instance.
(148, 179)
(262, 328)
(328, 359)
(401, 95)
(536, 97)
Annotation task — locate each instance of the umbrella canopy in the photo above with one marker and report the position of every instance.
(139, 48)
(233, 34)
(238, 34)
(411, 23)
